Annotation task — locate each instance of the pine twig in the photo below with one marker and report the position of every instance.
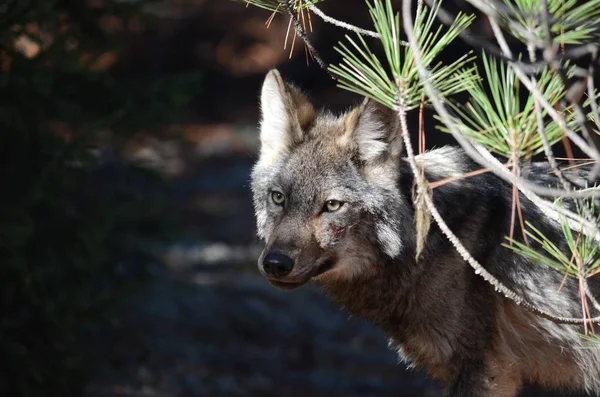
(347, 26)
(342, 24)
(289, 9)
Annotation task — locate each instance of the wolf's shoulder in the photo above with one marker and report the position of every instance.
(446, 161)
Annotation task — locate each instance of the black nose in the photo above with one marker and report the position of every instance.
(277, 265)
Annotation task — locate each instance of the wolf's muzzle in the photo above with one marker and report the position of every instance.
(277, 265)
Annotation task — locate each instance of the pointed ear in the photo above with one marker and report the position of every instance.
(286, 112)
(374, 131)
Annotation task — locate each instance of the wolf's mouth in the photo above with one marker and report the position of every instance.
(286, 286)
(289, 285)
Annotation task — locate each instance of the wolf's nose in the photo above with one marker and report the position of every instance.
(277, 265)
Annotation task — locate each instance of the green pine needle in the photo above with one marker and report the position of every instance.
(570, 21)
(593, 341)
(582, 247)
(396, 83)
(496, 118)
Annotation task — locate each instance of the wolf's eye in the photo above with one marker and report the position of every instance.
(278, 198)
(332, 205)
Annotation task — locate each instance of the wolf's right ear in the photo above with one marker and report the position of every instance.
(286, 112)
(374, 130)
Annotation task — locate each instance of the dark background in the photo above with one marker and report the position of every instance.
(126, 226)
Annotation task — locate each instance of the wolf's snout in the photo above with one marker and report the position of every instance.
(277, 265)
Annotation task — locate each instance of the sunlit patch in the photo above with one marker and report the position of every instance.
(390, 240)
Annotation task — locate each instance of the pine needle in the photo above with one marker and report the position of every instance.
(395, 78)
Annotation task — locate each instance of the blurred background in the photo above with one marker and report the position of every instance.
(127, 238)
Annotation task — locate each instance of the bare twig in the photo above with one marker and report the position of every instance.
(500, 38)
(347, 26)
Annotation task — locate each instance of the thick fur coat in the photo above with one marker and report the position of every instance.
(333, 204)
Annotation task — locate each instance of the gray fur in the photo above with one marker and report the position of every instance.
(439, 315)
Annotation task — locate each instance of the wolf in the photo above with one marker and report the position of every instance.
(332, 196)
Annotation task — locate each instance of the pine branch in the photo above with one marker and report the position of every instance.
(362, 72)
(592, 148)
(288, 6)
(431, 92)
(345, 25)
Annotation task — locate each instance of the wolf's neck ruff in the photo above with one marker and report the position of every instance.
(438, 313)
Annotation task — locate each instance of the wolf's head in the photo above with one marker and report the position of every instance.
(325, 188)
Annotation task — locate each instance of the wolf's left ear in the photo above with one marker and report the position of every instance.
(286, 112)
(374, 130)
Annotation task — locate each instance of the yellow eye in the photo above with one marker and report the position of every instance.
(332, 205)
(278, 198)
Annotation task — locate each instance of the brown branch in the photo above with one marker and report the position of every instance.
(289, 9)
